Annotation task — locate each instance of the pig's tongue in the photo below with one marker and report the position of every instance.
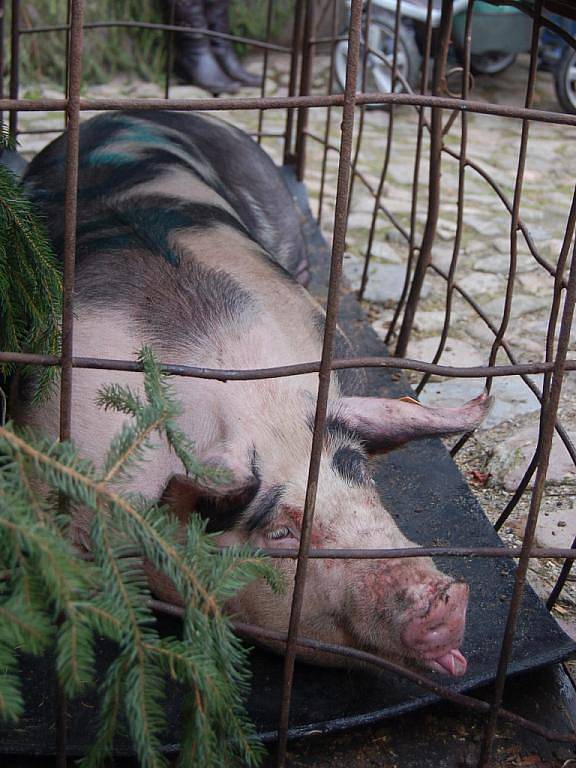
(453, 662)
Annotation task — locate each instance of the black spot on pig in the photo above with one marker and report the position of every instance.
(183, 304)
(150, 223)
(351, 464)
(264, 507)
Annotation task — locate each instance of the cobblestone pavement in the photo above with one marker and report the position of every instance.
(497, 456)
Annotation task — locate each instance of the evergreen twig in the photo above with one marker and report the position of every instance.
(30, 279)
(110, 598)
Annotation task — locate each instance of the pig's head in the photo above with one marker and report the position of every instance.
(403, 609)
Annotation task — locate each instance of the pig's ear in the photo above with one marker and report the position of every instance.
(384, 424)
(220, 503)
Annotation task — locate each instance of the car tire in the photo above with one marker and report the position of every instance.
(565, 80)
(381, 37)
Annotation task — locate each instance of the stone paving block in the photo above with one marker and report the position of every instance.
(513, 454)
(512, 398)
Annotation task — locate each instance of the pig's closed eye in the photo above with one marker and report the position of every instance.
(281, 533)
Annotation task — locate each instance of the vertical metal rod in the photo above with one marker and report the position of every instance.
(67, 56)
(294, 61)
(460, 202)
(325, 368)
(425, 255)
(305, 85)
(383, 175)
(547, 423)
(328, 124)
(14, 65)
(554, 312)
(518, 193)
(550, 343)
(547, 414)
(360, 132)
(559, 586)
(2, 54)
(269, 17)
(70, 216)
(415, 180)
(169, 50)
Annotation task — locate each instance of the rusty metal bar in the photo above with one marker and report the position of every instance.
(508, 205)
(562, 578)
(169, 37)
(360, 131)
(550, 339)
(361, 177)
(523, 375)
(74, 82)
(305, 84)
(394, 554)
(325, 141)
(40, 131)
(295, 52)
(67, 57)
(268, 33)
(425, 255)
(547, 424)
(13, 86)
(70, 214)
(234, 374)
(460, 202)
(338, 244)
(412, 250)
(290, 102)
(517, 198)
(161, 28)
(558, 286)
(387, 153)
(256, 633)
(547, 421)
(2, 52)
(539, 553)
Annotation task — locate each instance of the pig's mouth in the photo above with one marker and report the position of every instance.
(435, 627)
(452, 663)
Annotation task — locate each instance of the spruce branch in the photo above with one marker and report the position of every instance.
(63, 600)
(30, 280)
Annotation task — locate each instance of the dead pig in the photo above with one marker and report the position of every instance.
(186, 241)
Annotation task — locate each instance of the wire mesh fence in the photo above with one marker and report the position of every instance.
(343, 62)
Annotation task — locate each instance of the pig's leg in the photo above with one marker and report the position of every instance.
(385, 424)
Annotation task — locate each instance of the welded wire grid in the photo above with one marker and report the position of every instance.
(438, 110)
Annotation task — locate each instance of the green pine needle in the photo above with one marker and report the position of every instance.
(30, 279)
(53, 599)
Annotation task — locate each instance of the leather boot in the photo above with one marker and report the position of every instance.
(195, 60)
(218, 21)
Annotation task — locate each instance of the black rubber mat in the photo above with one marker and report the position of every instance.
(433, 505)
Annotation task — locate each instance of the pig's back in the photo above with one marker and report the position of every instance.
(180, 219)
(121, 151)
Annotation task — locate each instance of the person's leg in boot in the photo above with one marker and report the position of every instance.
(218, 21)
(195, 60)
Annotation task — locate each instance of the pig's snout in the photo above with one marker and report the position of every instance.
(434, 627)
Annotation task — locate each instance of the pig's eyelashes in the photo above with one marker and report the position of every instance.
(281, 533)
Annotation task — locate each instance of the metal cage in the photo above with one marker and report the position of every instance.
(440, 107)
